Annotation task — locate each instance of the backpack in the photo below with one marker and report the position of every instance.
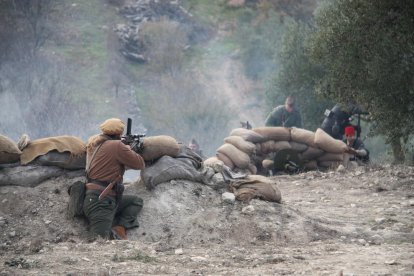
(76, 193)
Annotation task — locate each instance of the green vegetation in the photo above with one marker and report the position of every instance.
(367, 51)
(137, 256)
(297, 76)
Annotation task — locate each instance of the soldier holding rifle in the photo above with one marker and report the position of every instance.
(109, 212)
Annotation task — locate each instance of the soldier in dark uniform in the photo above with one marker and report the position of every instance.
(356, 149)
(337, 119)
(107, 158)
(285, 115)
(195, 147)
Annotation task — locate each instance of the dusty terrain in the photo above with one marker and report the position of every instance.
(357, 222)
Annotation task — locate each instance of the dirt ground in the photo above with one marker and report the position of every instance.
(358, 222)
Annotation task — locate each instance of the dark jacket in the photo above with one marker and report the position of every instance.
(281, 117)
(334, 124)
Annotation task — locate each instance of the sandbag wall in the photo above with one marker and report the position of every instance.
(254, 149)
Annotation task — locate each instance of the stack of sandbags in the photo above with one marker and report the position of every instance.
(237, 150)
(334, 149)
(9, 152)
(249, 149)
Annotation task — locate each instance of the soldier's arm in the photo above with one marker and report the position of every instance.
(130, 158)
(273, 119)
(361, 151)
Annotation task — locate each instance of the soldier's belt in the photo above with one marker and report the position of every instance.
(96, 187)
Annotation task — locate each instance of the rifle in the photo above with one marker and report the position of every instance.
(135, 141)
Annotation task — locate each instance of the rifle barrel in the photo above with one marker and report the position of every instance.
(129, 126)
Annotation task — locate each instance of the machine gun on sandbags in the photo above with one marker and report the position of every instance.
(135, 141)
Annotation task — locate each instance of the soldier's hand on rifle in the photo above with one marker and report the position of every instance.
(351, 151)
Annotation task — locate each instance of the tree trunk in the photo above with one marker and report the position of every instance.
(397, 151)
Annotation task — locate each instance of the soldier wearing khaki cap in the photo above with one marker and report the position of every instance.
(110, 213)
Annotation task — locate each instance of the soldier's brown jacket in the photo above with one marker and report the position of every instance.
(111, 159)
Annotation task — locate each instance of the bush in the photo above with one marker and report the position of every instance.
(164, 42)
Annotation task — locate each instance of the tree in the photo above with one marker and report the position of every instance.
(296, 76)
(367, 51)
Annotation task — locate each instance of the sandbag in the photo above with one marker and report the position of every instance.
(214, 163)
(274, 133)
(241, 144)
(188, 155)
(255, 186)
(324, 141)
(273, 146)
(311, 153)
(63, 160)
(303, 136)
(329, 164)
(156, 146)
(248, 135)
(298, 147)
(268, 164)
(331, 157)
(252, 169)
(28, 176)
(168, 168)
(239, 158)
(39, 147)
(9, 152)
(225, 159)
(310, 165)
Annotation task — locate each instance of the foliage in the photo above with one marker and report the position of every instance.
(164, 42)
(297, 75)
(367, 51)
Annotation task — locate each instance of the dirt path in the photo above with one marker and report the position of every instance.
(356, 223)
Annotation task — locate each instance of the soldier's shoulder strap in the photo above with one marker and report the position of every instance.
(88, 164)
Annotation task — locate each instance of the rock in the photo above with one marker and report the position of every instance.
(228, 198)
(341, 169)
(198, 259)
(248, 209)
(411, 202)
(362, 241)
(12, 234)
(391, 262)
(179, 251)
(380, 220)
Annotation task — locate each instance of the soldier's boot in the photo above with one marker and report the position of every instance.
(119, 233)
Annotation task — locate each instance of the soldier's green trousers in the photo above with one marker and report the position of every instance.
(105, 213)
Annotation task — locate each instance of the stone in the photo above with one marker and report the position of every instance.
(249, 209)
(179, 251)
(362, 241)
(391, 262)
(380, 220)
(228, 197)
(341, 169)
(198, 259)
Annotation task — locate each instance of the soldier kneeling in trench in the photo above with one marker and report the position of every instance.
(109, 212)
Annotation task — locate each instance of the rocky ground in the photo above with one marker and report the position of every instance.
(358, 222)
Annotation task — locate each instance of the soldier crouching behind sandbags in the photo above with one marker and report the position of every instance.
(356, 149)
(107, 211)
